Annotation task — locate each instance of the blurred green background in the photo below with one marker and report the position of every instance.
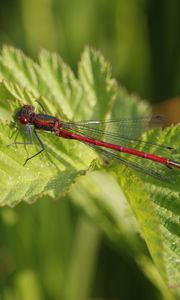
(140, 38)
(52, 250)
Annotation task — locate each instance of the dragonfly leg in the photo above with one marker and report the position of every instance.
(28, 131)
(30, 142)
(40, 104)
(41, 145)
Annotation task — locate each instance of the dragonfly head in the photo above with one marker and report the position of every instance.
(25, 114)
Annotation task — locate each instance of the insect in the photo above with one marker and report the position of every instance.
(114, 139)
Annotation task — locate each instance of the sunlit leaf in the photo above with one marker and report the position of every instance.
(94, 94)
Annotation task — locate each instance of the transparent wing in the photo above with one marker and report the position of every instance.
(138, 164)
(130, 128)
(124, 132)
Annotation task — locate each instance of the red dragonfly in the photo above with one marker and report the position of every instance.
(112, 138)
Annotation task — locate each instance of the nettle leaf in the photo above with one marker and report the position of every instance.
(156, 206)
(93, 96)
(54, 84)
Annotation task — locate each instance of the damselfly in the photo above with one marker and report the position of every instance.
(117, 139)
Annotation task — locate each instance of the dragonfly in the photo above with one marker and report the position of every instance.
(115, 139)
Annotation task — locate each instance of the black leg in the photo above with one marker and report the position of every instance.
(29, 132)
(30, 142)
(40, 143)
(40, 104)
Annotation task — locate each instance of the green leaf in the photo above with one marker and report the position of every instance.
(106, 204)
(154, 203)
(61, 94)
(98, 86)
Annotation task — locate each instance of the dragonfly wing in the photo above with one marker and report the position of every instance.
(125, 132)
(128, 128)
(138, 164)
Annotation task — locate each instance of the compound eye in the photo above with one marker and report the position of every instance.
(23, 120)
